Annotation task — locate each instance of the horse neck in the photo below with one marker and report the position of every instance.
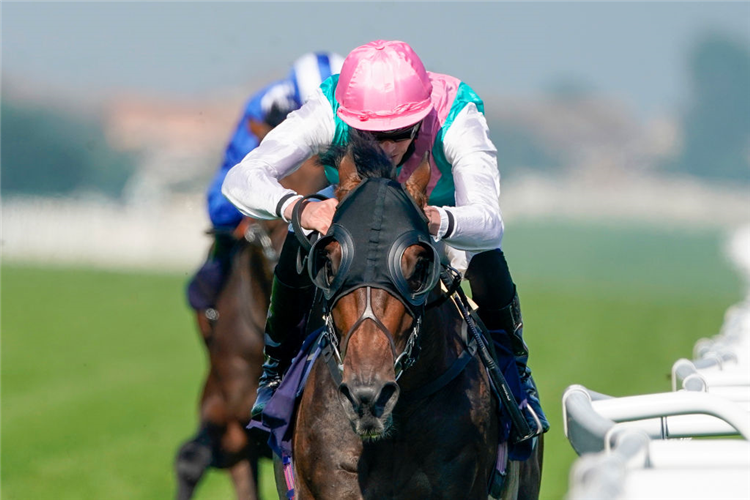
(249, 284)
(257, 271)
(251, 258)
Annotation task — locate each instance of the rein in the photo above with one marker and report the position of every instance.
(454, 286)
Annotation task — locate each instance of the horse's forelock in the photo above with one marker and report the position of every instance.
(370, 159)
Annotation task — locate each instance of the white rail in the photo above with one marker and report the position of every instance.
(634, 447)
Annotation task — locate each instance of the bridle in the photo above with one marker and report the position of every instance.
(401, 362)
(385, 225)
(257, 235)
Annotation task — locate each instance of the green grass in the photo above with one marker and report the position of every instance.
(101, 371)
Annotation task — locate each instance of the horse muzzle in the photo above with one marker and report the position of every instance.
(369, 407)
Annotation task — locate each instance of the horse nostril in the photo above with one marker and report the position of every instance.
(387, 398)
(359, 396)
(387, 392)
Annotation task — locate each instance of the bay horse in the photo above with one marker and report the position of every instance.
(233, 339)
(376, 420)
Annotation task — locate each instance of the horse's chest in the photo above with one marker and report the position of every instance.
(419, 473)
(419, 465)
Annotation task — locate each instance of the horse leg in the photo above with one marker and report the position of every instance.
(242, 477)
(197, 454)
(193, 459)
(245, 476)
(244, 472)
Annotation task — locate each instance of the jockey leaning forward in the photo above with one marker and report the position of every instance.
(383, 89)
(263, 112)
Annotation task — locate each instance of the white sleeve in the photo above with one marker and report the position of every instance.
(477, 220)
(253, 184)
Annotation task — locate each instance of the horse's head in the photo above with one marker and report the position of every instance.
(375, 266)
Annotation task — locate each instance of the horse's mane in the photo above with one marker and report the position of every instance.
(369, 159)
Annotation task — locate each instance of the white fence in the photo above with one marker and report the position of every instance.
(640, 447)
(162, 230)
(162, 237)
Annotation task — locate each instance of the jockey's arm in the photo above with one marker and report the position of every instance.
(253, 184)
(477, 221)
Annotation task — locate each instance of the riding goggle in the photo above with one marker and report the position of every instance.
(398, 135)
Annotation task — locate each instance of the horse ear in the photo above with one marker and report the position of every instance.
(417, 182)
(348, 170)
(348, 176)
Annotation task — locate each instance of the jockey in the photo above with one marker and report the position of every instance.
(383, 89)
(263, 111)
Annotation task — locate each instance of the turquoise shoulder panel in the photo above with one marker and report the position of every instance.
(341, 135)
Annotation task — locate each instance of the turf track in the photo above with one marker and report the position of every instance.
(101, 370)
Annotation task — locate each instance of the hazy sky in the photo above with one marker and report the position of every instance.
(634, 51)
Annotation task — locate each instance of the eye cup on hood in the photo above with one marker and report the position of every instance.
(420, 277)
(415, 288)
(319, 266)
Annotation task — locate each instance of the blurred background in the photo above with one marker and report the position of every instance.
(623, 136)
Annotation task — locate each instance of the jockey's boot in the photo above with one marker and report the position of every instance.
(506, 328)
(491, 284)
(291, 299)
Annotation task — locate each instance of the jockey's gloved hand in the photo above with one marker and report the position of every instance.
(315, 215)
(433, 215)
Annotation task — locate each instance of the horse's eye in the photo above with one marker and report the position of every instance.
(419, 275)
(329, 274)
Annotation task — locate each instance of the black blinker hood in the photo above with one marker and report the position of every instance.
(374, 224)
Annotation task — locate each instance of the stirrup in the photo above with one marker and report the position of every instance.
(539, 429)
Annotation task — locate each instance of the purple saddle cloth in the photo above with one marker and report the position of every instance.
(278, 415)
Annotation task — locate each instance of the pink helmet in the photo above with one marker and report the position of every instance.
(383, 86)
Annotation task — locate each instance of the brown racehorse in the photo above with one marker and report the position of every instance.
(234, 343)
(361, 432)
